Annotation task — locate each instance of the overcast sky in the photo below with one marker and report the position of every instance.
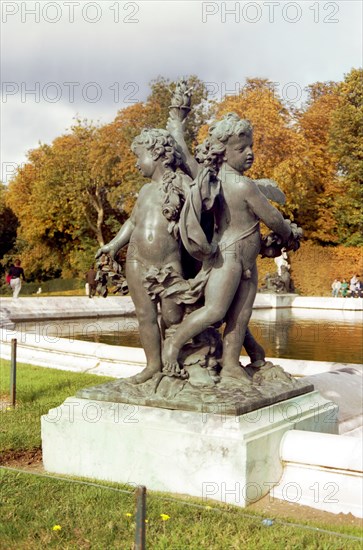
(63, 59)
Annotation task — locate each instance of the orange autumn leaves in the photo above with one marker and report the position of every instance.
(73, 194)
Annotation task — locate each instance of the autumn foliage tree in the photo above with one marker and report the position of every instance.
(59, 197)
(320, 170)
(280, 150)
(72, 195)
(302, 150)
(346, 143)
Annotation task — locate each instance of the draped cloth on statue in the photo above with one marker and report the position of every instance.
(168, 283)
(203, 192)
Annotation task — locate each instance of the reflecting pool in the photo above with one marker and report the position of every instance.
(318, 335)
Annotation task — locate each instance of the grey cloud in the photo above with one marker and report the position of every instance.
(170, 40)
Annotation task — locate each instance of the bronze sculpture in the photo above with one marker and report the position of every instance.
(193, 239)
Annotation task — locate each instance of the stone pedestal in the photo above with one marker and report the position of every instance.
(233, 459)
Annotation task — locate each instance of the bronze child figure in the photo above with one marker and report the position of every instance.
(232, 284)
(149, 234)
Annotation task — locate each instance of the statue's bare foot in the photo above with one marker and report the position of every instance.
(235, 371)
(257, 364)
(143, 376)
(170, 357)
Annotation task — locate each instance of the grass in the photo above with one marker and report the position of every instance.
(98, 517)
(102, 515)
(79, 292)
(38, 390)
(88, 516)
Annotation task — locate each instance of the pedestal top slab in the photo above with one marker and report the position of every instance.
(232, 397)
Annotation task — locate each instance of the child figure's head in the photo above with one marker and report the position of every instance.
(154, 146)
(230, 140)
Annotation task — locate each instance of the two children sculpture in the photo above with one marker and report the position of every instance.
(168, 221)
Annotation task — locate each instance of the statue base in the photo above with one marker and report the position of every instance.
(202, 392)
(233, 459)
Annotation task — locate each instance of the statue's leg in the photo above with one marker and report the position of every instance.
(253, 348)
(171, 313)
(146, 313)
(237, 320)
(219, 292)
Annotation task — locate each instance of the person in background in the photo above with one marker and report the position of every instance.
(353, 285)
(344, 288)
(359, 287)
(335, 287)
(91, 281)
(16, 273)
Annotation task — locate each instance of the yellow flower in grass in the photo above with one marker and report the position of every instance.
(208, 507)
(128, 515)
(164, 517)
(56, 528)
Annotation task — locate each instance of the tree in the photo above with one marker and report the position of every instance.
(346, 142)
(280, 151)
(292, 146)
(60, 197)
(314, 122)
(8, 224)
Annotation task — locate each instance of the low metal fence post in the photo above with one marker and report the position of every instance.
(140, 533)
(13, 372)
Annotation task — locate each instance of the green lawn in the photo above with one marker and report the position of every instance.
(38, 390)
(39, 511)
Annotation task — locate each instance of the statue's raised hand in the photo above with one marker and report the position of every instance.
(180, 106)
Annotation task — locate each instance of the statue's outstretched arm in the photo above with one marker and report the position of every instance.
(119, 241)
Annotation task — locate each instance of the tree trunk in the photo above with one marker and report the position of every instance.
(97, 203)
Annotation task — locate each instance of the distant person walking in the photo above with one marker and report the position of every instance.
(91, 281)
(335, 288)
(16, 273)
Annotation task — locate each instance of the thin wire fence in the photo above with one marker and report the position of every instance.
(189, 504)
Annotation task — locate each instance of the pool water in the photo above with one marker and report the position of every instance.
(315, 335)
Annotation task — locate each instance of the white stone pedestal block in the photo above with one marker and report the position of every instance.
(209, 455)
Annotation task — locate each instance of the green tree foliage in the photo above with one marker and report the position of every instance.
(346, 143)
(8, 224)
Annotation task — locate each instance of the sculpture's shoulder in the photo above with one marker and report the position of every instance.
(239, 185)
(247, 183)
